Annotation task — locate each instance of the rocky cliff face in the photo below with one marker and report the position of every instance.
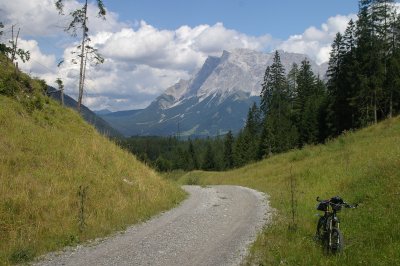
(215, 100)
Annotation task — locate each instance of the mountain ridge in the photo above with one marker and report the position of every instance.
(90, 117)
(228, 84)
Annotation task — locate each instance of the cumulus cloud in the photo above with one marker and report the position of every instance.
(316, 42)
(185, 48)
(141, 61)
(41, 18)
(39, 63)
(211, 39)
(117, 84)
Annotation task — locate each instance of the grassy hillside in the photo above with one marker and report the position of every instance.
(362, 167)
(46, 154)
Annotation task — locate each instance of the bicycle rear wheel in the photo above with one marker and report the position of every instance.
(320, 233)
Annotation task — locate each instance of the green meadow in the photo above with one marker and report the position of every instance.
(362, 167)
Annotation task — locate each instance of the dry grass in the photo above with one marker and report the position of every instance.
(361, 167)
(44, 157)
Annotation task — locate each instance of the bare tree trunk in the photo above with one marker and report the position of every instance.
(391, 105)
(375, 109)
(81, 71)
(84, 70)
(62, 96)
(14, 43)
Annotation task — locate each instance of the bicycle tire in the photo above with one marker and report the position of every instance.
(337, 244)
(319, 234)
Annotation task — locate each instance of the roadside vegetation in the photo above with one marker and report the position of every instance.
(362, 167)
(62, 183)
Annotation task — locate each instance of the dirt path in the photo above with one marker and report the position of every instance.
(214, 226)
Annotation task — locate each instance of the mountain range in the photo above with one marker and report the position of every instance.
(215, 100)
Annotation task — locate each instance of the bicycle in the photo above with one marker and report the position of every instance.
(328, 231)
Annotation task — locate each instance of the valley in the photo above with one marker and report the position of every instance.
(199, 133)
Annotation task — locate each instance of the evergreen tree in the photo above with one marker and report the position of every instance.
(253, 121)
(344, 80)
(363, 74)
(252, 132)
(333, 83)
(209, 159)
(292, 83)
(364, 31)
(323, 101)
(392, 65)
(305, 104)
(162, 164)
(278, 133)
(241, 149)
(228, 150)
(392, 84)
(193, 162)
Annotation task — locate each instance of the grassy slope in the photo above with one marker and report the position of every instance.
(361, 167)
(45, 155)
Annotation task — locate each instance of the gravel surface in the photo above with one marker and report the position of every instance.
(214, 226)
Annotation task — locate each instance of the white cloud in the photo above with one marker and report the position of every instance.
(141, 61)
(39, 63)
(212, 39)
(316, 42)
(41, 18)
(185, 48)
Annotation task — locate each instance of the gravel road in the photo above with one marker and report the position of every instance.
(214, 226)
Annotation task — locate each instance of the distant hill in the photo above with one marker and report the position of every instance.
(102, 112)
(215, 100)
(91, 117)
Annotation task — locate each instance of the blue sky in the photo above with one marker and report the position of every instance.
(150, 45)
(280, 18)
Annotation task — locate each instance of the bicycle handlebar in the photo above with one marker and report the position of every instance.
(351, 206)
(344, 204)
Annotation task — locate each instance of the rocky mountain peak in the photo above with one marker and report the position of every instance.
(216, 99)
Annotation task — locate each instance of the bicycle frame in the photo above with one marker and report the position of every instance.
(332, 222)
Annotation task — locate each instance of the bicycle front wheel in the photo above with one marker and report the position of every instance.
(337, 241)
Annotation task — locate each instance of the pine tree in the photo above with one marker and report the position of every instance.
(292, 83)
(253, 121)
(209, 159)
(278, 133)
(392, 63)
(323, 102)
(374, 37)
(193, 162)
(228, 150)
(310, 96)
(363, 68)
